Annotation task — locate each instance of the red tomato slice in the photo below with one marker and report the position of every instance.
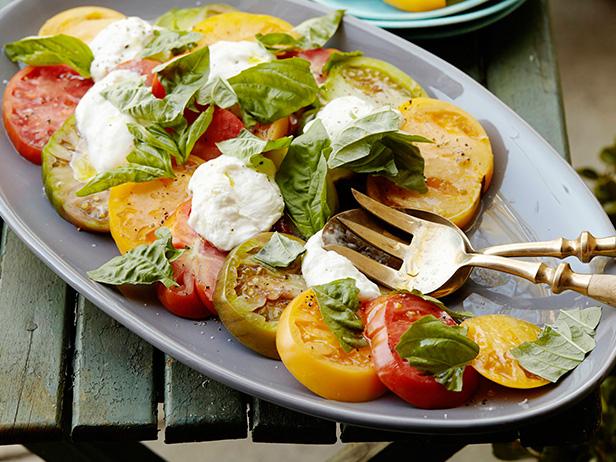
(37, 101)
(317, 57)
(157, 88)
(388, 317)
(143, 67)
(225, 125)
(195, 271)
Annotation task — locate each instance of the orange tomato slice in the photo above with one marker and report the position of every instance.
(137, 209)
(497, 335)
(458, 165)
(237, 26)
(312, 354)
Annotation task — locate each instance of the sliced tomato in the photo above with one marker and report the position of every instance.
(225, 125)
(195, 271)
(157, 88)
(143, 67)
(388, 318)
(313, 355)
(317, 57)
(37, 101)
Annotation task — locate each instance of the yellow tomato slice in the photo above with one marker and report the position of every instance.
(458, 165)
(237, 26)
(137, 209)
(83, 22)
(417, 5)
(311, 352)
(497, 335)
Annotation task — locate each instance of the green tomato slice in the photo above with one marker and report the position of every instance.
(251, 296)
(371, 79)
(90, 213)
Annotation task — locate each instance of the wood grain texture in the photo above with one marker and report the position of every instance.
(113, 380)
(522, 70)
(33, 319)
(200, 409)
(270, 423)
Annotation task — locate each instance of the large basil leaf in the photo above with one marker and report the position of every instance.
(312, 33)
(562, 347)
(280, 251)
(52, 50)
(339, 301)
(276, 89)
(184, 19)
(374, 144)
(303, 181)
(145, 264)
(166, 43)
(442, 350)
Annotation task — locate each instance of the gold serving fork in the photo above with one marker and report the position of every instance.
(439, 257)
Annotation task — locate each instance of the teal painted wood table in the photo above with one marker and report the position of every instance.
(74, 382)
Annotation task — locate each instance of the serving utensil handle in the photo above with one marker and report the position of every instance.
(585, 248)
(601, 287)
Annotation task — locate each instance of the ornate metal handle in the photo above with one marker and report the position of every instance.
(601, 287)
(585, 248)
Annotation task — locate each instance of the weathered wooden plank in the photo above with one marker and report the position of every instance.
(34, 322)
(113, 380)
(270, 423)
(200, 409)
(522, 70)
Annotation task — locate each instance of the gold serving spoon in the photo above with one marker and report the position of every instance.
(439, 258)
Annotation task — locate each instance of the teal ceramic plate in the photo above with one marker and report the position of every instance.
(494, 8)
(379, 10)
(460, 29)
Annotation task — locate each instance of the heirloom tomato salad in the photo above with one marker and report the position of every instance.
(214, 146)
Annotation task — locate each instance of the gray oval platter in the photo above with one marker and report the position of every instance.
(534, 195)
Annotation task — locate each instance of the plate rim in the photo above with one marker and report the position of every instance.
(406, 15)
(105, 299)
(446, 21)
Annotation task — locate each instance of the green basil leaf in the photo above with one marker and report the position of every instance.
(145, 163)
(434, 347)
(312, 33)
(221, 93)
(191, 134)
(145, 264)
(184, 19)
(132, 97)
(250, 148)
(457, 316)
(316, 32)
(278, 41)
(303, 181)
(562, 347)
(276, 89)
(184, 76)
(339, 301)
(280, 251)
(339, 56)
(408, 160)
(355, 141)
(52, 50)
(247, 146)
(166, 43)
(155, 136)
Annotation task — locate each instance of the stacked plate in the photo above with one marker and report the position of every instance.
(458, 17)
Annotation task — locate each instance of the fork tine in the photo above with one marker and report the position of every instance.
(380, 241)
(389, 215)
(382, 274)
